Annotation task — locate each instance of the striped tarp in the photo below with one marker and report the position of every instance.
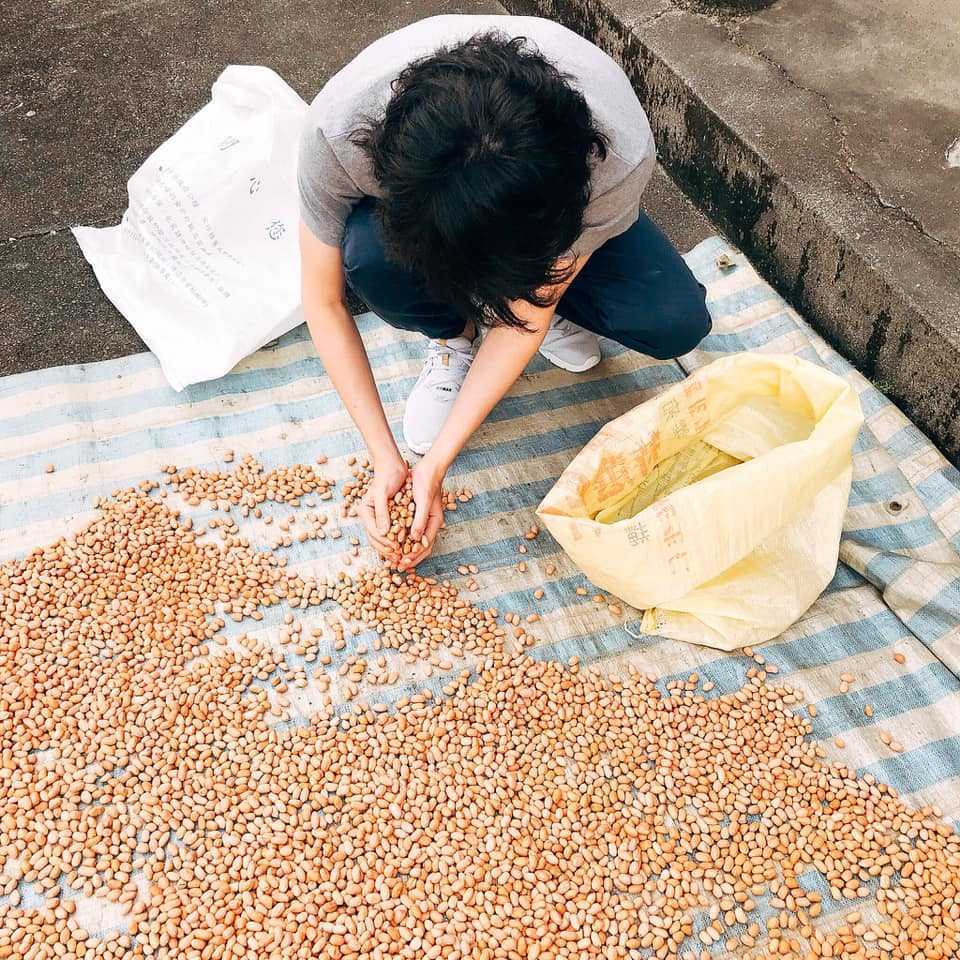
(897, 589)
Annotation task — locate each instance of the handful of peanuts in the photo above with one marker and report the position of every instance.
(402, 513)
(517, 809)
(402, 508)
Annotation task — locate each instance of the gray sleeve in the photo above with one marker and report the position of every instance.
(327, 193)
(615, 210)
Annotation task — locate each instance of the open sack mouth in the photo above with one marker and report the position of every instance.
(717, 506)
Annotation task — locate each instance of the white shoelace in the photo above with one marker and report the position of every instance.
(561, 327)
(445, 377)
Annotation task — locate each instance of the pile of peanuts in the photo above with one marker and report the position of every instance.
(535, 811)
(417, 616)
(249, 485)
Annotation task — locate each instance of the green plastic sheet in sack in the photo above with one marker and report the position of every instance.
(717, 506)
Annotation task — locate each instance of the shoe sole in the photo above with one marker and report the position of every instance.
(570, 367)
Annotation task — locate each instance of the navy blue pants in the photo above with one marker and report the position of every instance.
(635, 289)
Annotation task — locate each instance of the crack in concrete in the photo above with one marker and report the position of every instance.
(35, 233)
(653, 18)
(902, 213)
(843, 153)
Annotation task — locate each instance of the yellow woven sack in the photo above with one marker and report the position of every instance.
(716, 507)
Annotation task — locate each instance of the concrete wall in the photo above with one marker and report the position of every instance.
(766, 160)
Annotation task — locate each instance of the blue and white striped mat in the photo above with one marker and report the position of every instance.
(897, 589)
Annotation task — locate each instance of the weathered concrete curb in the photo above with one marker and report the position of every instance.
(766, 160)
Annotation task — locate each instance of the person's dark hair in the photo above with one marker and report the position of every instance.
(484, 157)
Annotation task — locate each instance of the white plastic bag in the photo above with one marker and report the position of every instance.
(204, 263)
(716, 507)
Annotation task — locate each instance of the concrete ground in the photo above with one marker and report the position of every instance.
(825, 139)
(889, 76)
(96, 85)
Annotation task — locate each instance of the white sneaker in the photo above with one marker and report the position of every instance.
(570, 347)
(432, 396)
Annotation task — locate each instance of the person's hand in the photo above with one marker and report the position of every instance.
(389, 475)
(428, 503)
